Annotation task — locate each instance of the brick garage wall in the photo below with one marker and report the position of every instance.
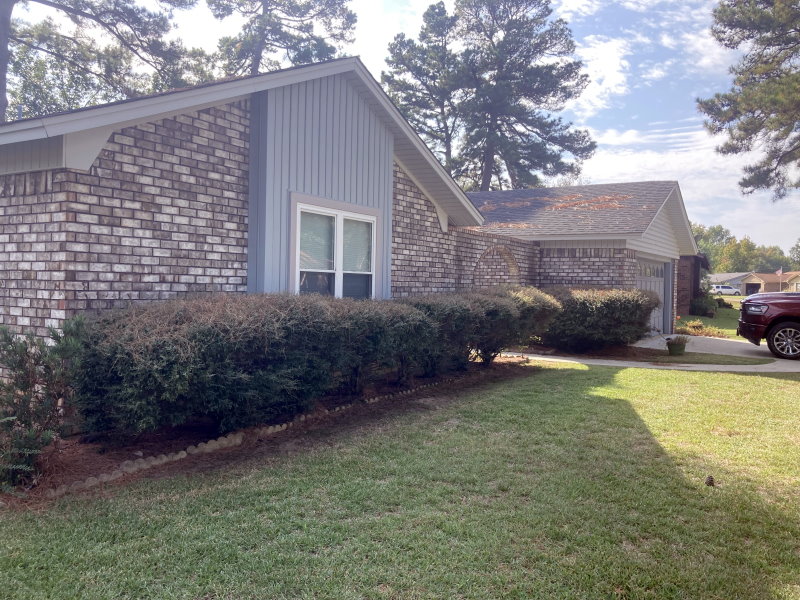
(32, 252)
(162, 212)
(427, 260)
(591, 267)
(687, 283)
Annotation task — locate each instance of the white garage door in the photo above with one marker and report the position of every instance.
(651, 277)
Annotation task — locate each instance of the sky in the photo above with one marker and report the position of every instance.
(648, 61)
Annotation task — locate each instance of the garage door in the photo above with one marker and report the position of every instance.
(651, 277)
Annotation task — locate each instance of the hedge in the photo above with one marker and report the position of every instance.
(594, 319)
(244, 360)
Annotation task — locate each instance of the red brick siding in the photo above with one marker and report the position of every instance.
(163, 211)
(427, 260)
(591, 267)
(32, 252)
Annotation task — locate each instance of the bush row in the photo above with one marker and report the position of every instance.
(242, 360)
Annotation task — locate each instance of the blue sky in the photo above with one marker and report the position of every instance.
(648, 61)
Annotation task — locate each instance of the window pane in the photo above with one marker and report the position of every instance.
(316, 241)
(357, 286)
(357, 246)
(317, 283)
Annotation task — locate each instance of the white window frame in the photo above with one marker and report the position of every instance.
(338, 251)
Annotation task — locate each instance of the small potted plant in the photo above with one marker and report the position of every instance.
(676, 345)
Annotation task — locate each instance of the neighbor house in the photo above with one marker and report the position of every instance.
(754, 283)
(301, 180)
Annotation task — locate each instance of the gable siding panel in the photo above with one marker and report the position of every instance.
(659, 239)
(353, 164)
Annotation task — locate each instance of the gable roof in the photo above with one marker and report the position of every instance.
(726, 277)
(774, 278)
(603, 211)
(82, 128)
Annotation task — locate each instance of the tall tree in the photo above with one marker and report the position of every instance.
(520, 71)
(710, 240)
(300, 31)
(794, 254)
(134, 42)
(762, 109)
(482, 86)
(425, 80)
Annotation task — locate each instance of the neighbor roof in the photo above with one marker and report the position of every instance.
(774, 278)
(602, 211)
(726, 277)
(409, 149)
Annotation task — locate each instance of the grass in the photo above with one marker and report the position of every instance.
(726, 319)
(703, 358)
(573, 482)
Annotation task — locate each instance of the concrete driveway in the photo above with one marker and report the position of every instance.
(697, 344)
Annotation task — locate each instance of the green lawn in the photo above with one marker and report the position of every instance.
(726, 319)
(573, 482)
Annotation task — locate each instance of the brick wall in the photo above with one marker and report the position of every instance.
(162, 212)
(593, 267)
(427, 260)
(32, 252)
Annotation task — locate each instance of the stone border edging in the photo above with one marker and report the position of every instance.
(227, 441)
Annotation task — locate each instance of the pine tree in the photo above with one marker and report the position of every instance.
(133, 44)
(762, 109)
(425, 80)
(487, 107)
(300, 31)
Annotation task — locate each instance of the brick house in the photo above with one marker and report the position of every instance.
(622, 235)
(302, 180)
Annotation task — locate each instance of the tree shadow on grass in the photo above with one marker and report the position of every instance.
(620, 517)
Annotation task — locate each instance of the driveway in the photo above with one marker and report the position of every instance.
(696, 344)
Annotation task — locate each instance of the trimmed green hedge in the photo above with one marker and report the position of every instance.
(244, 360)
(594, 319)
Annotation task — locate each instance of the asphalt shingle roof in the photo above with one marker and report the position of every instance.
(613, 208)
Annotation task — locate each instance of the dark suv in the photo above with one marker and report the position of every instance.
(776, 317)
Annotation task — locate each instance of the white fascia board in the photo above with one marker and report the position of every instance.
(523, 235)
(409, 134)
(158, 107)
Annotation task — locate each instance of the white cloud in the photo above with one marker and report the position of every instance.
(654, 71)
(703, 54)
(608, 68)
(709, 181)
(571, 10)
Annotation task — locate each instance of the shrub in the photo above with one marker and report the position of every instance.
(594, 319)
(240, 360)
(697, 327)
(703, 306)
(375, 337)
(722, 303)
(495, 322)
(37, 385)
(536, 310)
(455, 319)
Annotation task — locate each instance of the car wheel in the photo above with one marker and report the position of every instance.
(736, 294)
(784, 340)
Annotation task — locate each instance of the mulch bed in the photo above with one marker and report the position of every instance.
(77, 457)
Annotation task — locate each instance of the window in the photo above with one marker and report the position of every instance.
(335, 253)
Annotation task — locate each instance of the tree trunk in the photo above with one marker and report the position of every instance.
(258, 50)
(6, 8)
(487, 164)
